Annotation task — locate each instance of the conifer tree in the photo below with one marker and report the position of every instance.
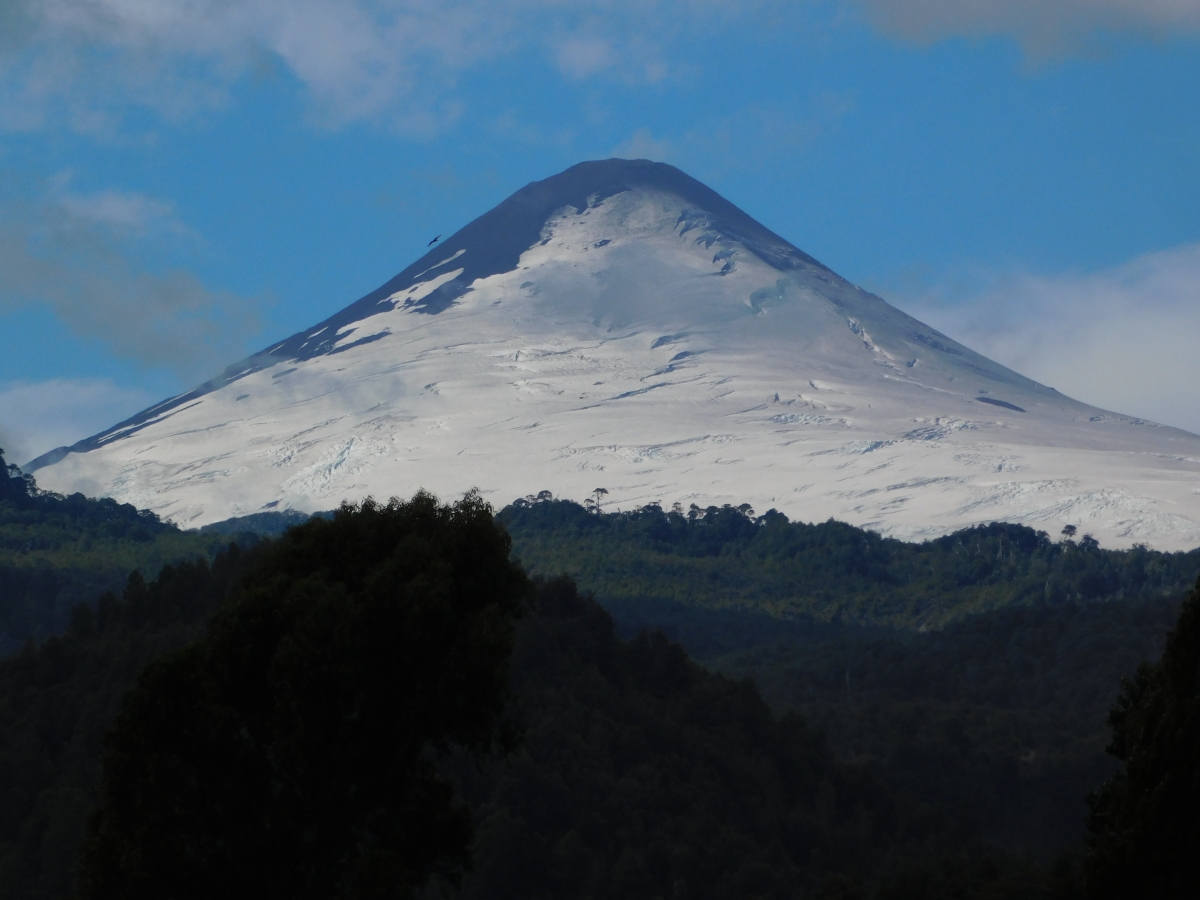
(1145, 822)
(291, 752)
(14, 485)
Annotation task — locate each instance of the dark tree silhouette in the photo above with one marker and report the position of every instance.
(1145, 821)
(14, 485)
(291, 751)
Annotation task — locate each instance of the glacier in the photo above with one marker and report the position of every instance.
(620, 325)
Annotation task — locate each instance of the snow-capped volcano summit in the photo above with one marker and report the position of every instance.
(620, 325)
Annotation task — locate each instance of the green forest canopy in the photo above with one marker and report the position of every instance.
(57, 552)
(969, 676)
(640, 775)
(727, 558)
(292, 750)
(994, 719)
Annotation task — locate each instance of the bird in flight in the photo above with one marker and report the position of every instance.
(434, 241)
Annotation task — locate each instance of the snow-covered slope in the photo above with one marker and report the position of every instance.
(622, 326)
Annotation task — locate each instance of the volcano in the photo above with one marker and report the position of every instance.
(621, 326)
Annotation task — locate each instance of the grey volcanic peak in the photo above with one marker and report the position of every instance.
(621, 323)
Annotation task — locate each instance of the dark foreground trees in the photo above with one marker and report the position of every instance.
(57, 552)
(291, 752)
(13, 485)
(1146, 820)
(644, 777)
(641, 775)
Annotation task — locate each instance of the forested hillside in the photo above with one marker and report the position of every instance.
(58, 699)
(640, 775)
(727, 558)
(972, 674)
(643, 775)
(948, 701)
(56, 552)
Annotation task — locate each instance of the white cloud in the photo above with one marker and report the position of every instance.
(356, 58)
(720, 144)
(80, 254)
(86, 62)
(82, 61)
(642, 144)
(1044, 26)
(1124, 339)
(580, 57)
(129, 212)
(38, 416)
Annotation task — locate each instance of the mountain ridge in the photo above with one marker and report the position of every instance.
(622, 324)
(582, 184)
(578, 187)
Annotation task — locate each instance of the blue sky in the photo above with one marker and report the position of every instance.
(182, 183)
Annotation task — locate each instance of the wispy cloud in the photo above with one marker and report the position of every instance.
(642, 144)
(87, 62)
(1045, 27)
(38, 416)
(1122, 339)
(134, 213)
(79, 254)
(721, 144)
(69, 59)
(583, 56)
